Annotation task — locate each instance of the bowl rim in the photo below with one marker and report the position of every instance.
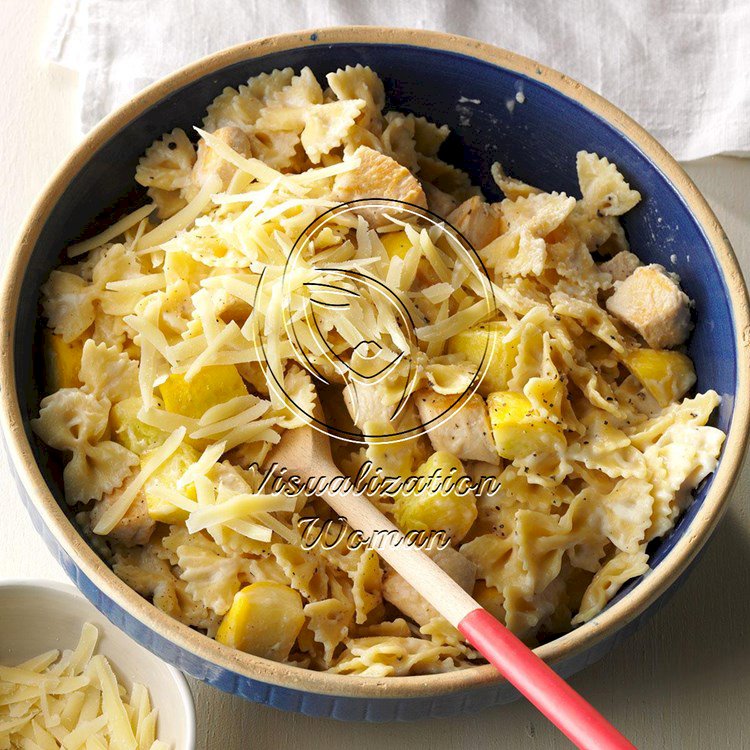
(183, 689)
(287, 676)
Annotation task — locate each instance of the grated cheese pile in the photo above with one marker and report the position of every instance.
(73, 701)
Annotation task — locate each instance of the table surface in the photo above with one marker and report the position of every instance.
(683, 681)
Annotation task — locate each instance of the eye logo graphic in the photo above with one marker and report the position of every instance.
(348, 326)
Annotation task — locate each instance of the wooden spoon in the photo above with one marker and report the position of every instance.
(306, 452)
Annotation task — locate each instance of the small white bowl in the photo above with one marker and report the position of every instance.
(40, 615)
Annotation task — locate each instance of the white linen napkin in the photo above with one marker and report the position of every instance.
(678, 68)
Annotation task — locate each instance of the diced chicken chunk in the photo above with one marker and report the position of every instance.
(399, 593)
(621, 265)
(136, 526)
(209, 162)
(457, 566)
(466, 433)
(365, 403)
(378, 176)
(652, 303)
(438, 202)
(478, 221)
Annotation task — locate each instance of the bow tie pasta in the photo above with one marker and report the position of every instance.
(176, 361)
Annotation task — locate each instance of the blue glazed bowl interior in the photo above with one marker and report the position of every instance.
(536, 141)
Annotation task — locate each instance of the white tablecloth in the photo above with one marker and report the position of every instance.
(678, 67)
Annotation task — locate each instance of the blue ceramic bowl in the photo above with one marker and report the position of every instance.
(469, 86)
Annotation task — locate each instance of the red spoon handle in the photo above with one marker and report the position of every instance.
(576, 718)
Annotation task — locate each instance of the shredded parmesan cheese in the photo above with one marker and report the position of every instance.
(183, 218)
(237, 508)
(254, 167)
(113, 515)
(74, 702)
(111, 233)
